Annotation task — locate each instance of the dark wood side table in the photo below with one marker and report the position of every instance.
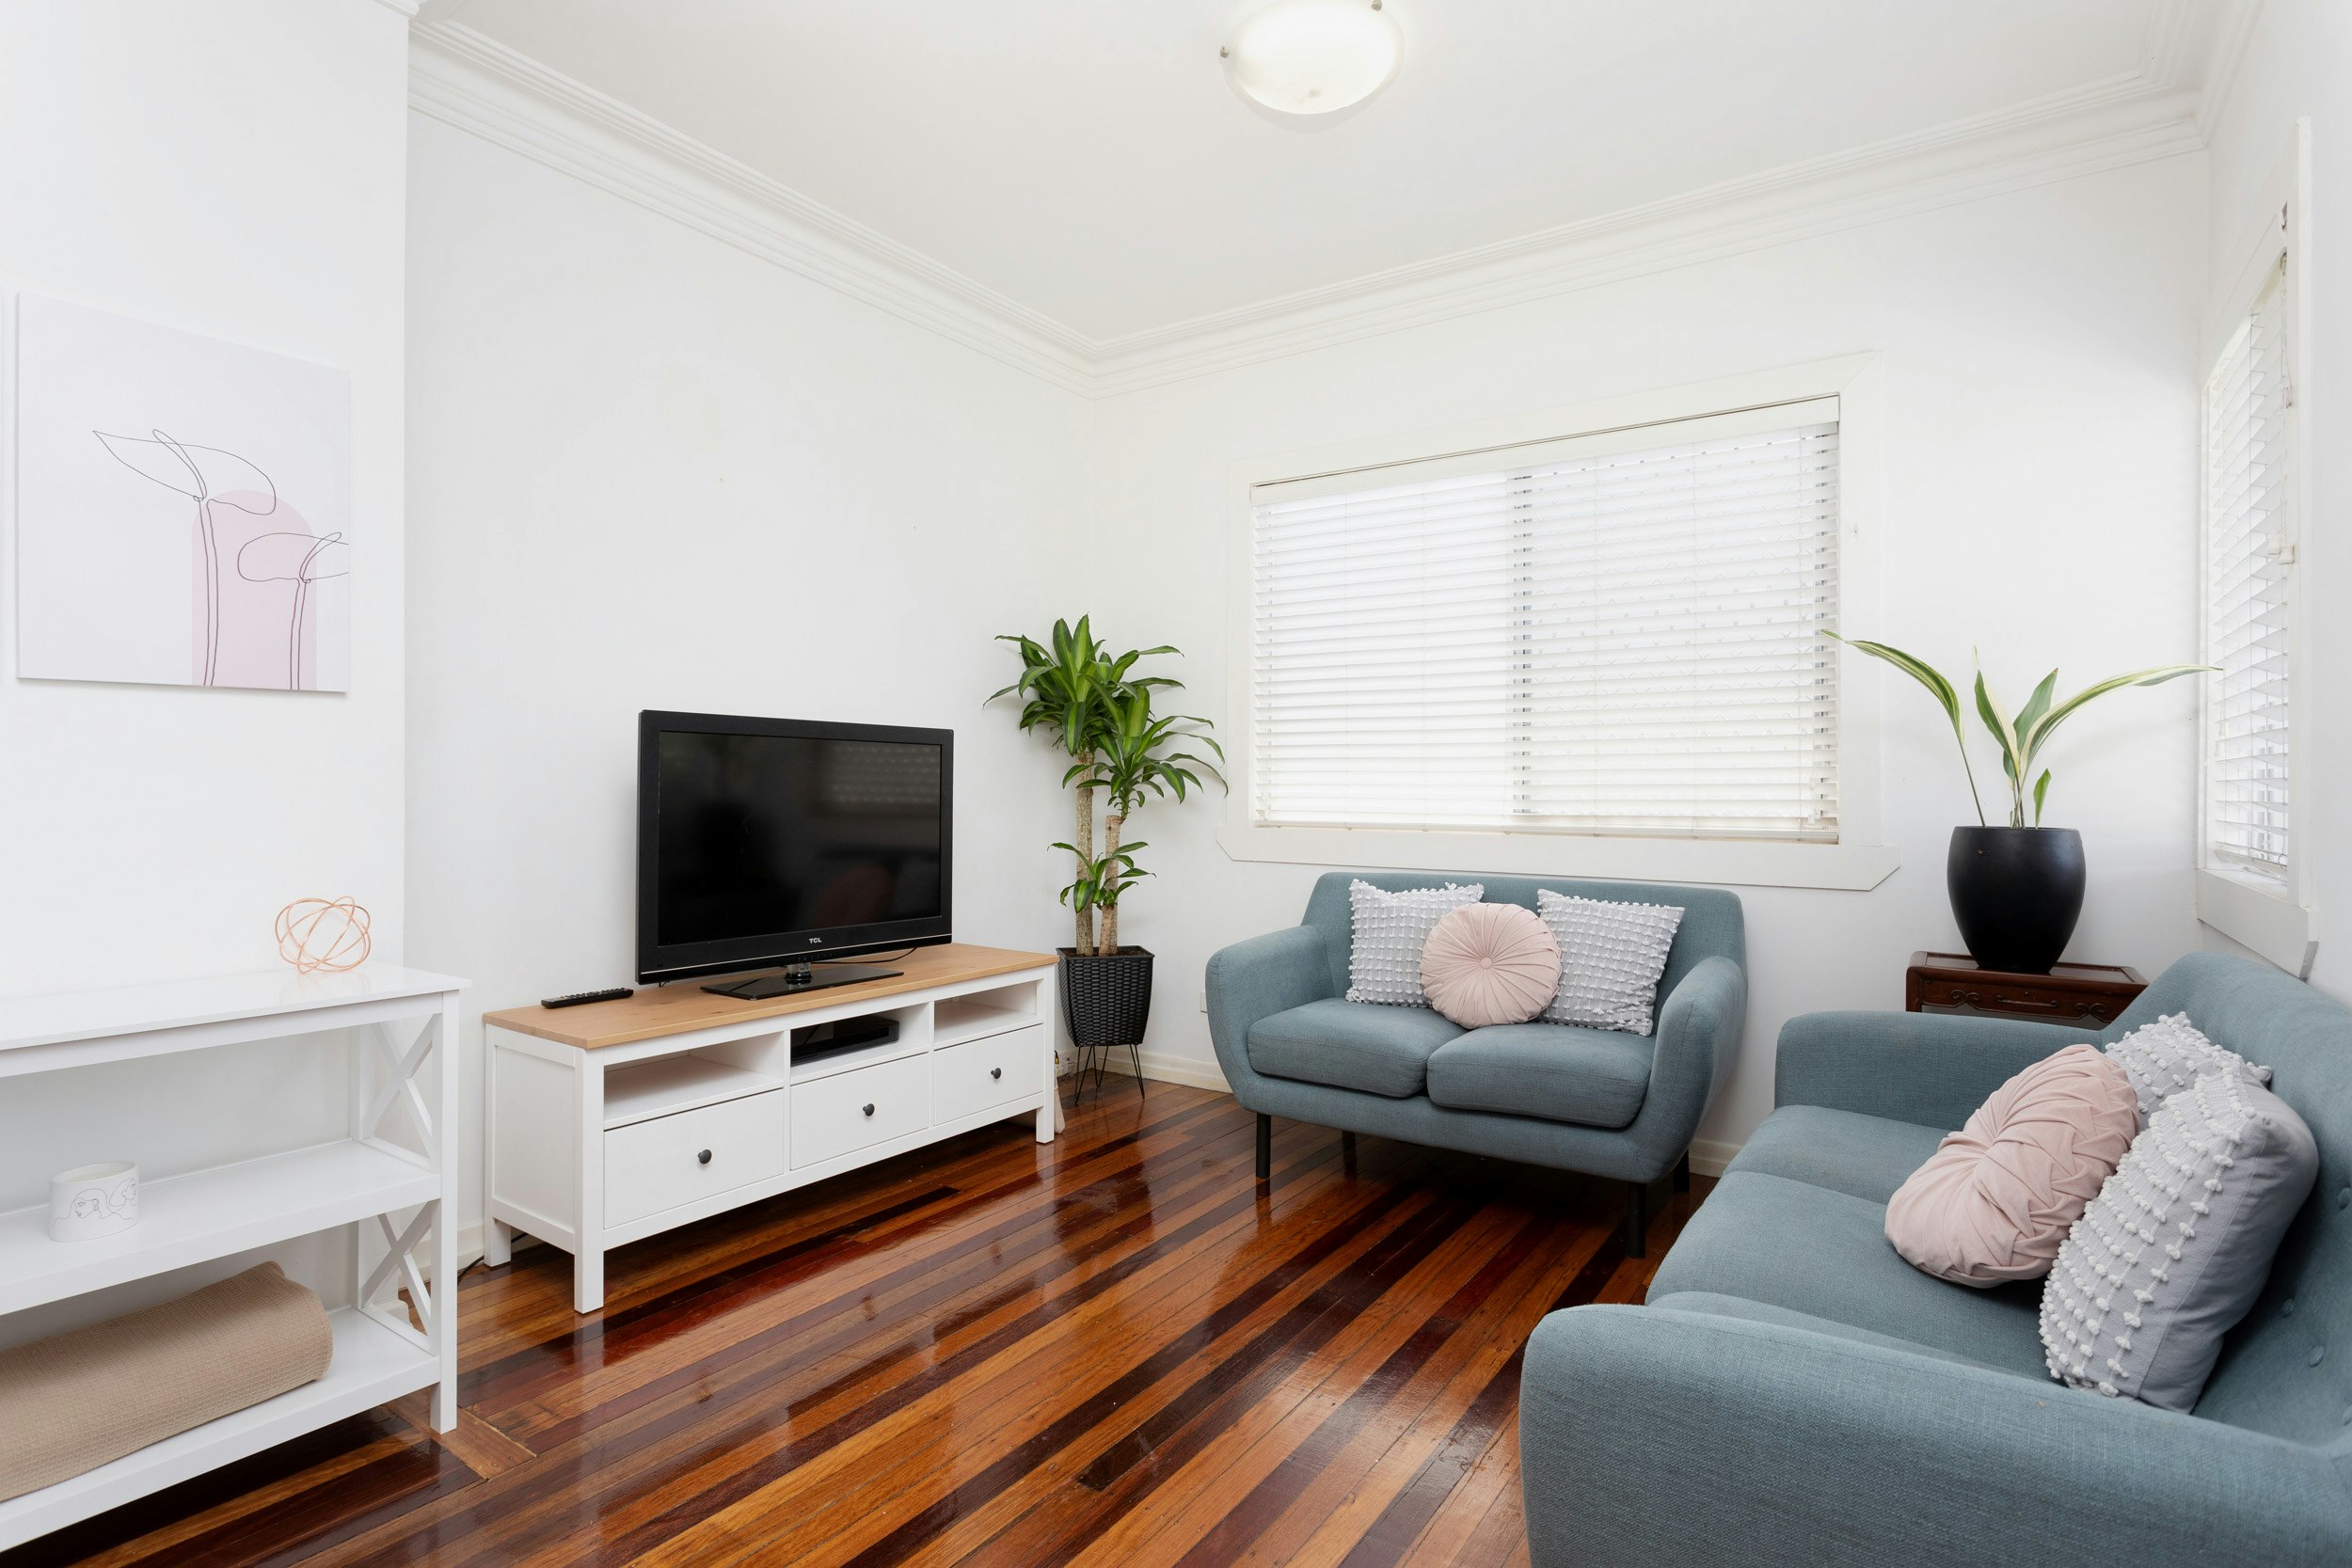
(2084, 995)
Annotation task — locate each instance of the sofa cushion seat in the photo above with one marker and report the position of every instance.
(1810, 1249)
(1860, 1156)
(1351, 1045)
(1554, 1071)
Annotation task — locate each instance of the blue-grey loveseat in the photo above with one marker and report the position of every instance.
(1816, 1400)
(1597, 1100)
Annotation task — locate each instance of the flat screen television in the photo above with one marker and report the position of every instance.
(782, 841)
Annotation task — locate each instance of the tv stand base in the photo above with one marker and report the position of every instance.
(799, 977)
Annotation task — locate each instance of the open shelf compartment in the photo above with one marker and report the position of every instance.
(981, 1013)
(372, 1364)
(210, 1214)
(664, 1086)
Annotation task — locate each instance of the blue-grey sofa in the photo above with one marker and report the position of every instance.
(1597, 1100)
(1805, 1397)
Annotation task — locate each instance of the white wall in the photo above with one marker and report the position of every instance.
(233, 169)
(2039, 355)
(647, 469)
(2298, 64)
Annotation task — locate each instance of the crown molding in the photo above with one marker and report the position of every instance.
(2174, 47)
(2106, 126)
(2225, 54)
(479, 85)
(405, 9)
(472, 81)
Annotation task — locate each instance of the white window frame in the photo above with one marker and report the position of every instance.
(2279, 924)
(1857, 861)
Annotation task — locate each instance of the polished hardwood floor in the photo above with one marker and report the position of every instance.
(1117, 1348)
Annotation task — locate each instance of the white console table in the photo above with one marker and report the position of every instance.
(398, 1200)
(615, 1120)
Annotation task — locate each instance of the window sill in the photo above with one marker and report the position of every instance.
(2263, 919)
(1723, 862)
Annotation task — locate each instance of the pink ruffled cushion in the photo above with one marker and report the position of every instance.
(1490, 963)
(1996, 1198)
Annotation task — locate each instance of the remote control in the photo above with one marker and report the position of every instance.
(579, 996)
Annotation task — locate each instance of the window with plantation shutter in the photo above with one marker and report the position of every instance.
(1620, 634)
(2250, 555)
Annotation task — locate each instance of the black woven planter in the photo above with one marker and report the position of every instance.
(1106, 997)
(2016, 893)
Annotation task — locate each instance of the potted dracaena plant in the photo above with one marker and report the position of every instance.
(1099, 711)
(2016, 889)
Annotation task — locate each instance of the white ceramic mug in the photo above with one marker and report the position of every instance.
(91, 1201)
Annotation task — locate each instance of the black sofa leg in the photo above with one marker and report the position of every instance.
(1682, 1173)
(1347, 1152)
(1265, 1148)
(1637, 1220)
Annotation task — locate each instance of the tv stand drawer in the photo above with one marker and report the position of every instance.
(970, 1078)
(837, 1116)
(657, 1165)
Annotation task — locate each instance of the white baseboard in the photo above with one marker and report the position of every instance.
(469, 1246)
(1159, 1067)
(1708, 1156)
(471, 1249)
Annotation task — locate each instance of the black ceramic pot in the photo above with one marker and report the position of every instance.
(2016, 892)
(1106, 997)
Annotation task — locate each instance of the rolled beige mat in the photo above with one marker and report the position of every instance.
(86, 1396)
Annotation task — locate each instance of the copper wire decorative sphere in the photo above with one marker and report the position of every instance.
(324, 936)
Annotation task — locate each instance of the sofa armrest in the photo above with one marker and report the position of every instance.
(1257, 978)
(1699, 1025)
(1932, 1069)
(1729, 1442)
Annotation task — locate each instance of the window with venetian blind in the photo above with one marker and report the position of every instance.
(2250, 556)
(1623, 633)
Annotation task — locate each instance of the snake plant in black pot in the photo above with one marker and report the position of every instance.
(2016, 889)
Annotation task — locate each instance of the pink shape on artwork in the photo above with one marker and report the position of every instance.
(254, 620)
(268, 602)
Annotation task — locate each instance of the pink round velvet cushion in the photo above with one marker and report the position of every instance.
(1490, 963)
(1996, 1197)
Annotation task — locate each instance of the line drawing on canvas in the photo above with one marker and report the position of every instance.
(290, 555)
(312, 552)
(182, 508)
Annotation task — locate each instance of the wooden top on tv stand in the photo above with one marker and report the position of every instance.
(675, 1009)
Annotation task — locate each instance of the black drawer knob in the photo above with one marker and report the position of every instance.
(703, 1158)
(870, 1110)
(995, 1073)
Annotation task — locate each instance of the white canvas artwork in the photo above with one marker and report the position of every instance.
(181, 507)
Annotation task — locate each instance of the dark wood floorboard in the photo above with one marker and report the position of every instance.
(1112, 1349)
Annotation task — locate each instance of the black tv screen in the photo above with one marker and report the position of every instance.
(770, 841)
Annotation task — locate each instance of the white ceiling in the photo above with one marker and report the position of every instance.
(1086, 158)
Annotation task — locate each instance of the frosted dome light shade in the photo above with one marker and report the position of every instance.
(1308, 57)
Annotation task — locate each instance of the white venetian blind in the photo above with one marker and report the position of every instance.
(1622, 633)
(2249, 544)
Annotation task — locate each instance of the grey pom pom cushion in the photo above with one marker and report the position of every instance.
(1611, 958)
(2167, 1056)
(1388, 932)
(2175, 1249)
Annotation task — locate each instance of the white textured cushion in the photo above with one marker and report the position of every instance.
(2167, 1056)
(2176, 1247)
(1388, 932)
(1610, 956)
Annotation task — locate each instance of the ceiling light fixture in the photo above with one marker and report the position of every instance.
(1308, 62)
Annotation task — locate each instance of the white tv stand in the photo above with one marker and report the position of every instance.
(616, 1120)
(397, 1199)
